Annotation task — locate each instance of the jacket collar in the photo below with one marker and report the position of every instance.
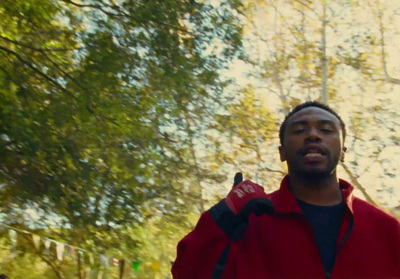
(285, 202)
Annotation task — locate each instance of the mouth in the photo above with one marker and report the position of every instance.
(313, 152)
(313, 156)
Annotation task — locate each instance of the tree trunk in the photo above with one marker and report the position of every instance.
(80, 276)
(194, 157)
(324, 60)
(355, 182)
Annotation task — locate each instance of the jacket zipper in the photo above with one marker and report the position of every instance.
(344, 239)
(302, 216)
(346, 236)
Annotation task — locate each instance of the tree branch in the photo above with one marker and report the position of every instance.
(37, 49)
(53, 266)
(121, 13)
(355, 182)
(98, 7)
(383, 53)
(306, 6)
(36, 70)
(62, 88)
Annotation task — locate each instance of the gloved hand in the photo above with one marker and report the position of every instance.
(247, 197)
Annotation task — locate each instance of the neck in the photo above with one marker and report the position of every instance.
(316, 190)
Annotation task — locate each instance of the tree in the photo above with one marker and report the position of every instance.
(96, 101)
(301, 47)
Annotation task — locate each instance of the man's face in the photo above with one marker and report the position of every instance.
(313, 143)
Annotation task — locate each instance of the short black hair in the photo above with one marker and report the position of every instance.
(306, 105)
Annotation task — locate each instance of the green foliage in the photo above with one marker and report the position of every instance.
(117, 129)
(95, 101)
(249, 130)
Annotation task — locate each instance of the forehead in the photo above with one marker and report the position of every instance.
(313, 114)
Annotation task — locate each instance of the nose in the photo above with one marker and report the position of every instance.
(313, 135)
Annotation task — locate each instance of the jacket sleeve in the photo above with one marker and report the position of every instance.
(209, 251)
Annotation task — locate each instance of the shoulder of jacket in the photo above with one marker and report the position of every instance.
(371, 211)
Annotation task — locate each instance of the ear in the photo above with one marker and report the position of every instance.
(343, 154)
(282, 154)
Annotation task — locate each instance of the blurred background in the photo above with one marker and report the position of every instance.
(123, 120)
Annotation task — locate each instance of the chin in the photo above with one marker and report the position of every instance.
(315, 175)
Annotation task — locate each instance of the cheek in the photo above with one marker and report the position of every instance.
(293, 144)
(290, 149)
(337, 147)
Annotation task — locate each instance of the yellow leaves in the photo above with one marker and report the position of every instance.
(55, 22)
(69, 162)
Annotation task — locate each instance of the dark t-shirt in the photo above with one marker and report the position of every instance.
(325, 222)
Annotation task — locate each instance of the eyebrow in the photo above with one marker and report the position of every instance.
(305, 122)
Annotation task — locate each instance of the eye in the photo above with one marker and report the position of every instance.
(327, 130)
(298, 131)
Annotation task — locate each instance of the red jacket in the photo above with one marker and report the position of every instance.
(283, 245)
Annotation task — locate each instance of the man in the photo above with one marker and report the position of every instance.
(316, 228)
